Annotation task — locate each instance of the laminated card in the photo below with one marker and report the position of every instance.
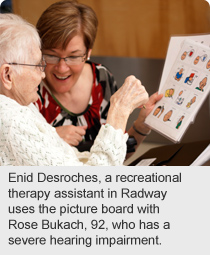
(185, 84)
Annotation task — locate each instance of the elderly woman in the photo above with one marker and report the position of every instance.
(25, 136)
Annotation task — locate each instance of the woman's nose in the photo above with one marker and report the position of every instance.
(43, 75)
(62, 66)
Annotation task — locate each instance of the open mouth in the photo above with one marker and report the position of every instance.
(62, 78)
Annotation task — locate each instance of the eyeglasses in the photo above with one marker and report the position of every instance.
(41, 66)
(72, 60)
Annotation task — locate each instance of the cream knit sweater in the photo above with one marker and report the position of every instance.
(26, 139)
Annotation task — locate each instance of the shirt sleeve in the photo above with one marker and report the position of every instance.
(109, 85)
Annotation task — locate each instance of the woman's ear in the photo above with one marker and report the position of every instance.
(88, 54)
(6, 75)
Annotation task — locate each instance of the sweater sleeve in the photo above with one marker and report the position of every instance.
(36, 143)
(109, 148)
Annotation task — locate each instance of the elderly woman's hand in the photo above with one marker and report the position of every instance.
(130, 96)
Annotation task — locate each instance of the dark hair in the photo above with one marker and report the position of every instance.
(61, 21)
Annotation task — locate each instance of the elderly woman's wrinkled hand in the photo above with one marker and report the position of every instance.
(130, 96)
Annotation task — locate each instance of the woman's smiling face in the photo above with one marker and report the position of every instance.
(61, 77)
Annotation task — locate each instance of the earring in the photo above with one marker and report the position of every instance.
(88, 58)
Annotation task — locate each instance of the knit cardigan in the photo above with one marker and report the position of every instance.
(26, 139)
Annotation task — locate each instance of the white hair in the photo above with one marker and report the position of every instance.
(17, 40)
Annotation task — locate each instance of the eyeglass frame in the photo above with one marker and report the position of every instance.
(41, 67)
(59, 58)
